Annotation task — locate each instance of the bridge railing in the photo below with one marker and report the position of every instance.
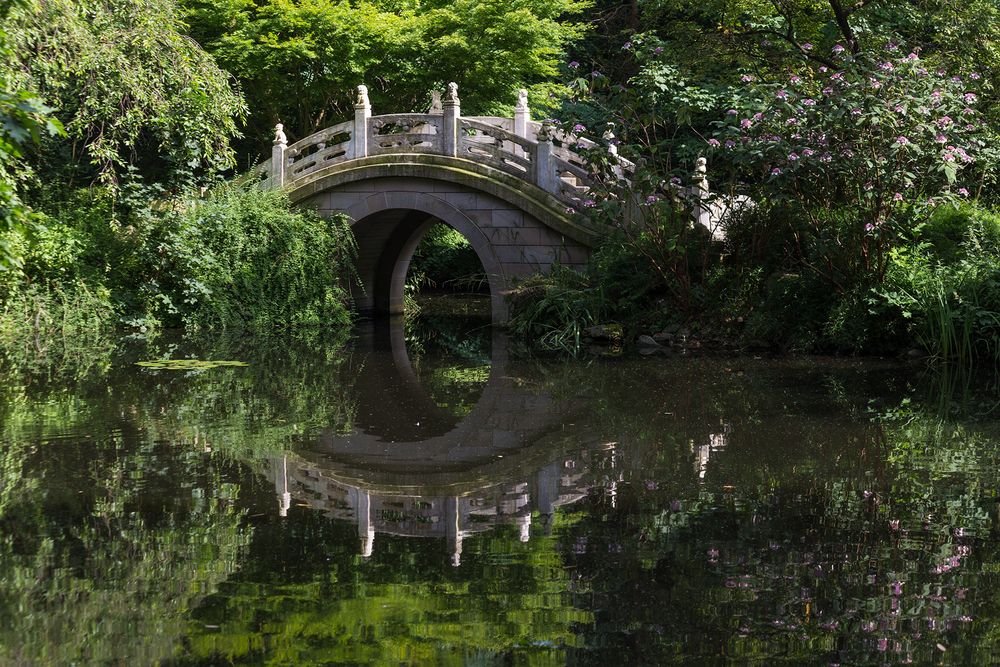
(530, 150)
(517, 145)
(482, 141)
(404, 133)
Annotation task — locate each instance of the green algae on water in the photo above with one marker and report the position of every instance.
(188, 364)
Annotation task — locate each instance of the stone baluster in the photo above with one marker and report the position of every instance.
(609, 136)
(362, 112)
(436, 108)
(699, 190)
(450, 125)
(279, 163)
(522, 116)
(545, 173)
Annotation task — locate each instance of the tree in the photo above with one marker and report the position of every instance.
(23, 119)
(299, 61)
(133, 92)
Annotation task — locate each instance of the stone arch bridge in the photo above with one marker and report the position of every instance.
(511, 186)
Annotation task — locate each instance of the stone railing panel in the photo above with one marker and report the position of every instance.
(494, 155)
(498, 147)
(477, 130)
(332, 134)
(404, 133)
(324, 157)
(496, 121)
(573, 182)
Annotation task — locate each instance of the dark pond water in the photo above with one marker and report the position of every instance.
(428, 495)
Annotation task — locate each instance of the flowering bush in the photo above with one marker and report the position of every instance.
(884, 137)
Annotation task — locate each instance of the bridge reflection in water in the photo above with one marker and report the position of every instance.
(417, 470)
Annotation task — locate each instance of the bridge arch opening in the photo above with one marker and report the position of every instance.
(387, 237)
(444, 264)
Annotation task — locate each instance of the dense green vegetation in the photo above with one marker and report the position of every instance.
(299, 62)
(120, 119)
(864, 134)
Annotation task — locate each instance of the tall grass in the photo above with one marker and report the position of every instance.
(553, 310)
(951, 296)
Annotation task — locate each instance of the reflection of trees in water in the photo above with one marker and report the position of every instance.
(95, 570)
(751, 511)
(815, 535)
(109, 537)
(509, 602)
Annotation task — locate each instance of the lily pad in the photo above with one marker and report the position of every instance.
(188, 364)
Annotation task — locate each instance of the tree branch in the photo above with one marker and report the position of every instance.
(842, 17)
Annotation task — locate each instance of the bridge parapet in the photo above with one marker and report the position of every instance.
(532, 151)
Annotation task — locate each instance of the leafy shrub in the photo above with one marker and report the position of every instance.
(553, 310)
(139, 99)
(243, 258)
(880, 136)
(40, 320)
(239, 258)
(949, 290)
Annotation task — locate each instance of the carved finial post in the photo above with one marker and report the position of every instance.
(278, 160)
(452, 112)
(609, 136)
(702, 213)
(522, 114)
(362, 112)
(436, 109)
(545, 174)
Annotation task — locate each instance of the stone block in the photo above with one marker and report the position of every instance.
(482, 219)
(508, 218)
(527, 254)
(366, 185)
(464, 201)
(519, 270)
(503, 235)
(405, 184)
(342, 201)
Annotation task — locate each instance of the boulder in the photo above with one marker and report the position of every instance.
(604, 332)
(646, 341)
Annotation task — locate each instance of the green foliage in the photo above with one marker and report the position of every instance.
(244, 258)
(240, 258)
(341, 610)
(23, 120)
(445, 260)
(553, 310)
(38, 318)
(299, 61)
(948, 287)
(89, 563)
(133, 92)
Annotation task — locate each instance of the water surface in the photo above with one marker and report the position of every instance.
(429, 494)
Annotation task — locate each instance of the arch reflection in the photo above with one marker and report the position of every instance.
(419, 471)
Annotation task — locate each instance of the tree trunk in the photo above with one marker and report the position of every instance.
(843, 22)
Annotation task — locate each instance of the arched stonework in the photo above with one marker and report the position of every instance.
(512, 186)
(391, 214)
